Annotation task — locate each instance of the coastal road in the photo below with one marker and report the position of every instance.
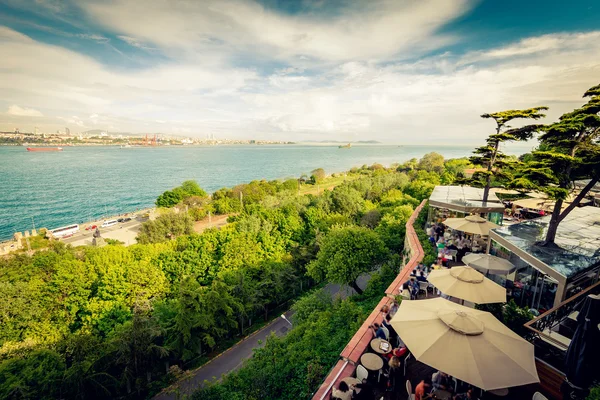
(234, 357)
(125, 232)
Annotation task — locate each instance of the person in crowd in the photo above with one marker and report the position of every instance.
(377, 331)
(414, 288)
(432, 240)
(385, 309)
(453, 245)
(421, 277)
(439, 231)
(441, 380)
(394, 308)
(405, 291)
(422, 390)
(386, 323)
(366, 391)
(396, 374)
(344, 392)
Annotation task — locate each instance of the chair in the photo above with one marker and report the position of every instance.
(423, 287)
(361, 373)
(455, 384)
(387, 332)
(539, 396)
(411, 395)
(406, 362)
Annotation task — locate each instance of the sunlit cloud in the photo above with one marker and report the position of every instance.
(23, 111)
(239, 69)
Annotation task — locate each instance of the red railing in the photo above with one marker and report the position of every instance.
(359, 343)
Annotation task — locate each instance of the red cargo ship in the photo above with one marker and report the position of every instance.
(44, 149)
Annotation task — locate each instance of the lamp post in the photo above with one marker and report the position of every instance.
(287, 320)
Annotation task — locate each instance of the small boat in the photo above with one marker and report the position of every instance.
(44, 149)
(347, 146)
(127, 146)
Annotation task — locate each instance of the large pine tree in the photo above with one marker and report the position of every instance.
(490, 157)
(569, 151)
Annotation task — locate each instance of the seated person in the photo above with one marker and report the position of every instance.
(422, 390)
(405, 291)
(377, 331)
(391, 330)
(452, 246)
(394, 308)
(414, 288)
(421, 277)
(343, 393)
(441, 380)
(366, 391)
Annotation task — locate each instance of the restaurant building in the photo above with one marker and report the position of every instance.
(460, 201)
(546, 276)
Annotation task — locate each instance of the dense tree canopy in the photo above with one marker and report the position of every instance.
(346, 253)
(107, 322)
(569, 150)
(173, 197)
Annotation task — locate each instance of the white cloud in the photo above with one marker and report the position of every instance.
(134, 42)
(93, 36)
(377, 29)
(328, 83)
(23, 111)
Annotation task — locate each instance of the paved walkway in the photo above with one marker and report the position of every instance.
(234, 357)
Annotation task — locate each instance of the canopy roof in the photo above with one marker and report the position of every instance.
(464, 199)
(577, 239)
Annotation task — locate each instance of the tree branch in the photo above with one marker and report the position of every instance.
(577, 199)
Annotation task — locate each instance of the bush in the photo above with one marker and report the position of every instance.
(198, 213)
(165, 227)
(317, 175)
(173, 197)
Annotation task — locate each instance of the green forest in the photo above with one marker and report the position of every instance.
(122, 322)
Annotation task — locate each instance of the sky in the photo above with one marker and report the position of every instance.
(395, 71)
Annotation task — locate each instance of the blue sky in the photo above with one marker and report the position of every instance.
(394, 71)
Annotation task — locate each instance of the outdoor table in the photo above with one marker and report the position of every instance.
(376, 346)
(441, 394)
(371, 361)
(499, 392)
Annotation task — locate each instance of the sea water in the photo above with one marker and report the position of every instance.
(85, 183)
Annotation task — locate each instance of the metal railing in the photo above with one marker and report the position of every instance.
(549, 320)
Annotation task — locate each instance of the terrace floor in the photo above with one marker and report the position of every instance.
(387, 389)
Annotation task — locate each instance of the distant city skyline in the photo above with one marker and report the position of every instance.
(391, 71)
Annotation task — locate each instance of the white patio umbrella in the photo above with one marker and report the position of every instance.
(471, 224)
(489, 264)
(469, 344)
(467, 284)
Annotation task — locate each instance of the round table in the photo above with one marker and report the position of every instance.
(499, 392)
(376, 346)
(441, 394)
(371, 361)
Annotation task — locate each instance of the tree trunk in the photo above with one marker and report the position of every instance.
(356, 287)
(488, 182)
(553, 227)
